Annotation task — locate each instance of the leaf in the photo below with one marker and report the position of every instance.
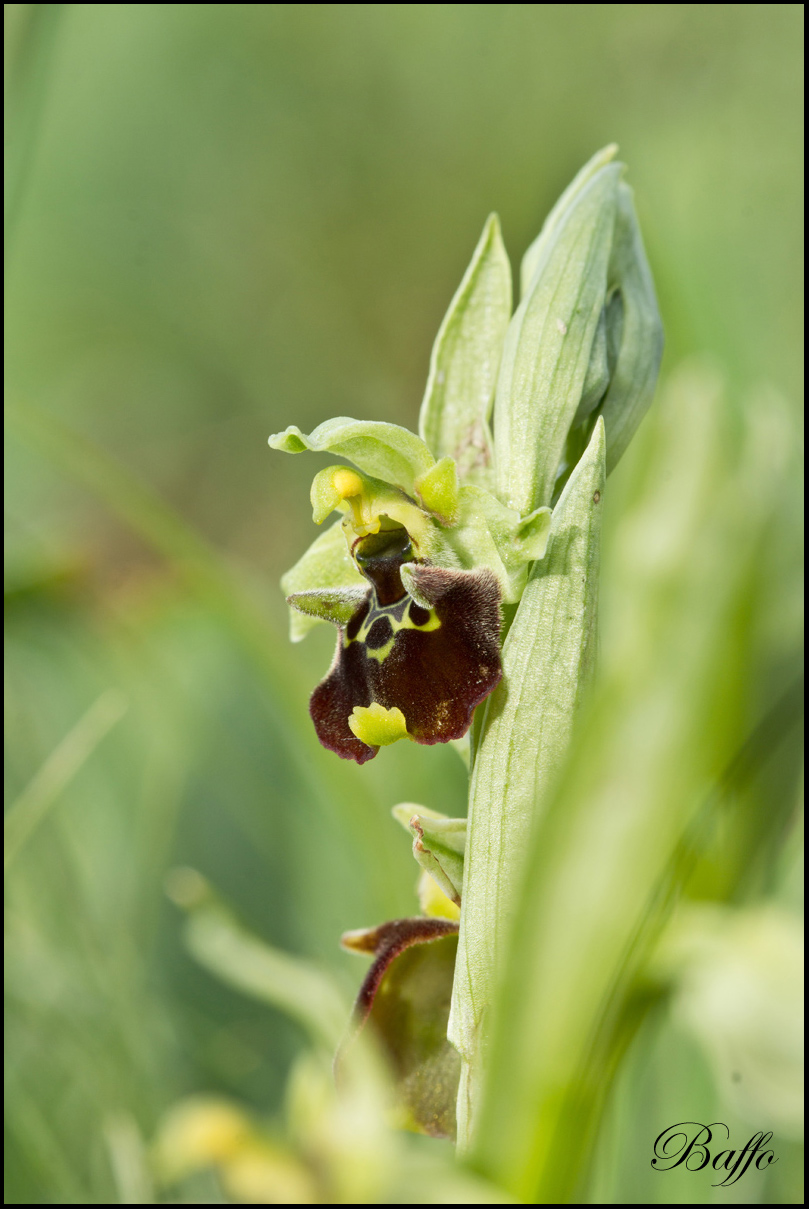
(465, 359)
(526, 729)
(385, 451)
(546, 357)
(327, 564)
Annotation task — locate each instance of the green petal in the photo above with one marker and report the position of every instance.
(385, 451)
(337, 605)
(465, 359)
(548, 345)
(326, 564)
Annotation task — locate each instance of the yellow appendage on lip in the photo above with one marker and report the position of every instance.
(378, 726)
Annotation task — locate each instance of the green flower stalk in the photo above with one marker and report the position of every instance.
(462, 571)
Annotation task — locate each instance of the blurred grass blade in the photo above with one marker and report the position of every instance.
(31, 39)
(454, 418)
(240, 959)
(61, 766)
(730, 848)
(547, 659)
(548, 346)
(666, 714)
(30, 1132)
(128, 1160)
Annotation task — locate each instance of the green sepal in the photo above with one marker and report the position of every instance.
(454, 418)
(337, 605)
(327, 564)
(548, 346)
(386, 451)
(439, 843)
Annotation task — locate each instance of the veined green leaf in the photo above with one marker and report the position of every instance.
(526, 730)
(457, 404)
(386, 451)
(548, 345)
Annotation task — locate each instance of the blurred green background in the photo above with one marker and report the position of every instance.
(222, 219)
